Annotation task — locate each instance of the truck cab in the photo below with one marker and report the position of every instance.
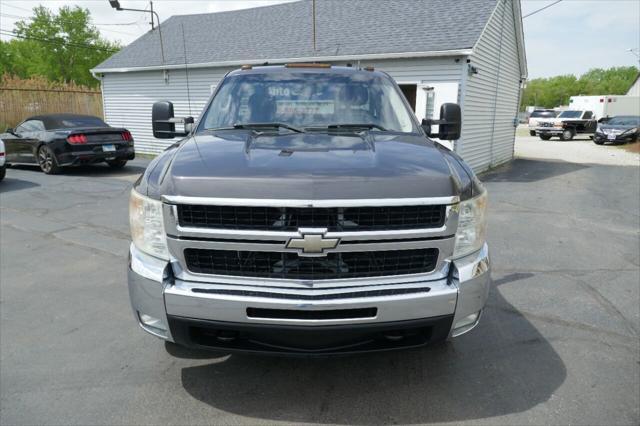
(307, 212)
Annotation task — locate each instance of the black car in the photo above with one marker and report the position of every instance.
(57, 140)
(620, 129)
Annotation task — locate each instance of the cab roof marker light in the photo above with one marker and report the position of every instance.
(369, 68)
(246, 67)
(307, 65)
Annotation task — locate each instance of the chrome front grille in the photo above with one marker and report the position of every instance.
(293, 266)
(264, 243)
(291, 218)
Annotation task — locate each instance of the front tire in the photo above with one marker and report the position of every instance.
(47, 161)
(532, 132)
(566, 135)
(117, 164)
(545, 137)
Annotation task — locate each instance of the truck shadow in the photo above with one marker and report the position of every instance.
(504, 366)
(527, 170)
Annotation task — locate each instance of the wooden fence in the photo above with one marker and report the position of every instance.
(17, 103)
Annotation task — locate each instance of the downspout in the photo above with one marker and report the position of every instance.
(459, 145)
(495, 99)
(100, 78)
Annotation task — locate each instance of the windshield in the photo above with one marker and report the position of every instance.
(70, 122)
(624, 121)
(543, 114)
(309, 100)
(570, 114)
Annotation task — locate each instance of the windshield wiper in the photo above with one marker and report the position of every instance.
(257, 126)
(356, 126)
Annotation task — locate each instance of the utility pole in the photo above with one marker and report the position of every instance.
(313, 14)
(636, 54)
(116, 5)
(152, 26)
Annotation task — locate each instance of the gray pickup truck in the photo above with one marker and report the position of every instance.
(307, 212)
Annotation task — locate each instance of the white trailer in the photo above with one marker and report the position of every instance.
(606, 105)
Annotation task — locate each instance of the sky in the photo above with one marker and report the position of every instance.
(567, 38)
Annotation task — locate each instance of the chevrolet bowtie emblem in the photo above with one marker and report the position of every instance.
(312, 242)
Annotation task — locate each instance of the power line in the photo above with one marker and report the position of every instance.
(59, 42)
(16, 7)
(92, 23)
(104, 29)
(541, 9)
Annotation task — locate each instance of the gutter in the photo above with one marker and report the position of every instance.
(374, 56)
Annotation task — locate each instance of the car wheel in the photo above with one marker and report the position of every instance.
(566, 135)
(47, 160)
(545, 137)
(3, 172)
(598, 141)
(532, 133)
(116, 164)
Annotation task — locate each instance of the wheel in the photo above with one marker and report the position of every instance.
(566, 135)
(598, 142)
(116, 164)
(545, 137)
(47, 161)
(3, 172)
(532, 132)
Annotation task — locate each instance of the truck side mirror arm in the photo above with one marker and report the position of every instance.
(450, 123)
(164, 123)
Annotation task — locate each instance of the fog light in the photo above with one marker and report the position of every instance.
(151, 322)
(465, 324)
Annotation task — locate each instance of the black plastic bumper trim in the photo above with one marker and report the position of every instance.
(308, 340)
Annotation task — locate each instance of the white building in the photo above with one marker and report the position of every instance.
(470, 52)
(634, 90)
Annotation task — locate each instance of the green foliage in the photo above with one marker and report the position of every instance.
(554, 91)
(61, 47)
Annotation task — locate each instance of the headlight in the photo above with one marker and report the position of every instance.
(472, 225)
(635, 129)
(147, 226)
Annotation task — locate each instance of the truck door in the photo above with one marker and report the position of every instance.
(591, 123)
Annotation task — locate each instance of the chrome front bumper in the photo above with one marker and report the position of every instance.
(156, 296)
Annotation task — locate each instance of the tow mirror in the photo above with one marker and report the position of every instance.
(163, 121)
(10, 131)
(449, 124)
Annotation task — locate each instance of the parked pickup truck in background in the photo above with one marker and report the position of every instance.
(308, 212)
(567, 125)
(536, 116)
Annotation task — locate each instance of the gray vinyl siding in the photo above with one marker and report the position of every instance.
(427, 70)
(128, 96)
(491, 97)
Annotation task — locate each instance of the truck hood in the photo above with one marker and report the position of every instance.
(310, 166)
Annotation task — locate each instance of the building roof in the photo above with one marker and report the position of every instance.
(634, 86)
(376, 28)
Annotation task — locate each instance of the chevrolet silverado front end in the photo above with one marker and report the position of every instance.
(307, 212)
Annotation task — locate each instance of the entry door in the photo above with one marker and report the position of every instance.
(431, 96)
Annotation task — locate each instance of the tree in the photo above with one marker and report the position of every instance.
(555, 91)
(61, 47)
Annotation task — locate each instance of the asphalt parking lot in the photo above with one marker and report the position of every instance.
(558, 343)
